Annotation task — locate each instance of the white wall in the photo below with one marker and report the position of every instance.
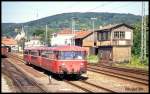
(127, 35)
(62, 40)
(122, 42)
(33, 43)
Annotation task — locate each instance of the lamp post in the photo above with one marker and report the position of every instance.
(17, 31)
(23, 38)
(73, 28)
(26, 33)
(46, 43)
(93, 22)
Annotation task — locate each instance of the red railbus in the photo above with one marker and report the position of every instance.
(58, 60)
(5, 50)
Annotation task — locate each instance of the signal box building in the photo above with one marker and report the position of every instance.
(111, 42)
(114, 42)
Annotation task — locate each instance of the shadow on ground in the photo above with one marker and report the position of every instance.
(72, 77)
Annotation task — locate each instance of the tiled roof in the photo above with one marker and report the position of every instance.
(8, 41)
(82, 34)
(78, 34)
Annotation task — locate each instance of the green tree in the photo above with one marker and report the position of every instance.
(136, 48)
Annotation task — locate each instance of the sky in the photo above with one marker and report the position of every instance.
(20, 12)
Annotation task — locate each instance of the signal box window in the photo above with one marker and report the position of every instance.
(104, 36)
(119, 35)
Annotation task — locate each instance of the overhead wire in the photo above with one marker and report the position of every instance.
(96, 7)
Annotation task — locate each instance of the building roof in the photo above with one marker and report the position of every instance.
(8, 41)
(83, 33)
(78, 34)
(110, 26)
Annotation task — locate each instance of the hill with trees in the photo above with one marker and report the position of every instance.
(64, 20)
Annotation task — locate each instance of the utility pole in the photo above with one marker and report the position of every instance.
(94, 40)
(73, 28)
(46, 36)
(26, 31)
(23, 38)
(144, 29)
(93, 22)
(17, 31)
(143, 34)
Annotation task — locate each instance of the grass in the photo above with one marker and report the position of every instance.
(136, 63)
(92, 59)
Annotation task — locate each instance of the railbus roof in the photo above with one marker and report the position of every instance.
(58, 48)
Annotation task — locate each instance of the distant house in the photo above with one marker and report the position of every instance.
(34, 41)
(7, 41)
(62, 39)
(67, 37)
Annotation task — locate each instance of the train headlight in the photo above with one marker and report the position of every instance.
(82, 64)
(63, 64)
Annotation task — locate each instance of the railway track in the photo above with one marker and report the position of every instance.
(89, 87)
(16, 57)
(86, 86)
(131, 70)
(135, 71)
(120, 76)
(20, 80)
(122, 72)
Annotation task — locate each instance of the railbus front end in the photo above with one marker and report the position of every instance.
(72, 62)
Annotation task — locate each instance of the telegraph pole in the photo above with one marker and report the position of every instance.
(73, 28)
(26, 31)
(93, 22)
(46, 36)
(143, 34)
(144, 23)
(16, 30)
(23, 39)
(94, 40)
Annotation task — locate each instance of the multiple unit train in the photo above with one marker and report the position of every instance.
(5, 50)
(59, 60)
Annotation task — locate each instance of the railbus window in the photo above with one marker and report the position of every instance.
(43, 54)
(48, 54)
(35, 53)
(29, 52)
(25, 51)
(66, 55)
(39, 52)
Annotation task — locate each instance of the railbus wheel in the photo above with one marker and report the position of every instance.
(61, 76)
(27, 63)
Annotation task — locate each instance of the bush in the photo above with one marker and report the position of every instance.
(92, 59)
(135, 61)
